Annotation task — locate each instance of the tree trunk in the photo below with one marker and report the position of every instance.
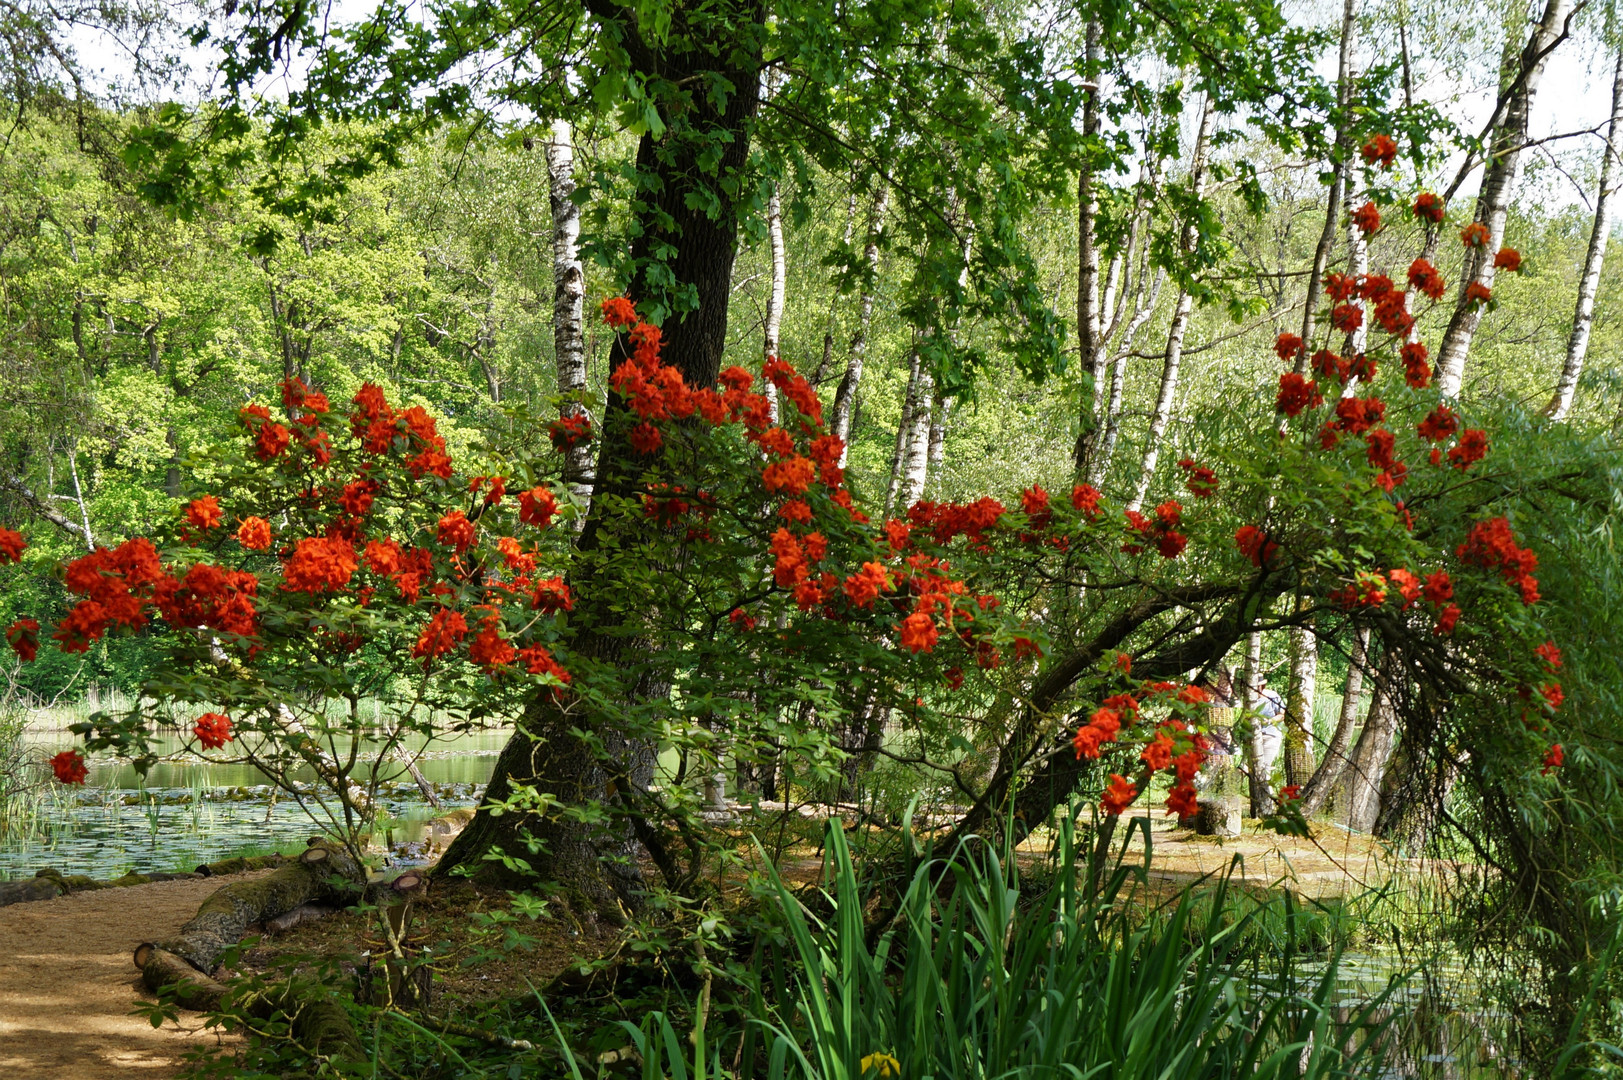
(916, 462)
(1589, 284)
(545, 759)
(846, 394)
(1180, 322)
(1262, 798)
(1493, 202)
(1317, 791)
(904, 428)
(1099, 460)
(568, 300)
(1299, 704)
(1338, 179)
(1361, 785)
(1089, 319)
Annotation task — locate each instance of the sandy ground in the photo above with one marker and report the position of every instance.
(67, 983)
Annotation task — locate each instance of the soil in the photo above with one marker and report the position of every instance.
(67, 983)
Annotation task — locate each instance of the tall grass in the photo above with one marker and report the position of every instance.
(977, 982)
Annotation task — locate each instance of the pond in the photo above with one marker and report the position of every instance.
(188, 810)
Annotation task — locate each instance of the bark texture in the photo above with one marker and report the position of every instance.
(568, 297)
(1493, 201)
(1336, 757)
(1583, 318)
(1181, 312)
(845, 395)
(1362, 781)
(1299, 704)
(1338, 182)
(183, 965)
(687, 230)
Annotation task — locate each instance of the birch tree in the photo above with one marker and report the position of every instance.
(1583, 318)
(1181, 312)
(1498, 183)
(568, 298)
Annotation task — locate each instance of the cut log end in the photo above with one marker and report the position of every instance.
(410, 881)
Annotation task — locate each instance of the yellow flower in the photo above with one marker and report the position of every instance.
(884, 1064)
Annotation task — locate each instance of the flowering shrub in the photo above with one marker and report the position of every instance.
(344, 555)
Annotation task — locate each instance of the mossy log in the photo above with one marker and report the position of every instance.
(242, 865)
(319, 1024)
(226, 916)
(184, 965)
(49, 884)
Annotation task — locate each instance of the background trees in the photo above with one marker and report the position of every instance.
(1016, 246)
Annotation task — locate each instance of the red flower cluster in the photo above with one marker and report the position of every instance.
(1380, 150)
(270, 438)
(1118, 796)
(1439, 424)
(1255, 545)
(489, 649)
(1159, 532)
(538, 661)
(1085, 500)
(318, 564)
(1474, 235)
(69, 767)
(1346, 317)
(1288, 346)
(1297, 394)
(1491, 545)
(117, 585)
(11, 545)
(1550, 654)
(1508, 259)
(1478, 293)
(1200, 480)
(569, 432)
(1472, 448)
(1416, 371)
(948, 520)
(456, 531)
(1553, 759)
(213, 730)
(204, 513)
(1367, 589)
(212, 597)
(1429, 207)
(444, 632)
(1425, 277)
(1367, 219)
(23, 637)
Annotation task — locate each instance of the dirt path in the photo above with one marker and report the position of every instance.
(67, 983)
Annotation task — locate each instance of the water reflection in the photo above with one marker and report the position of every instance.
(191, 810)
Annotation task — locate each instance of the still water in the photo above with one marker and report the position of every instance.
(188, 810)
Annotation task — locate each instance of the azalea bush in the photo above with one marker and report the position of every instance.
(759, 615)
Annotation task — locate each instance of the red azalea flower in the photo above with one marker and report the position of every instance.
(1380, 150)
(1429, 207)
(23, 637)
(213, 730)
(69, 767)
(204, 513)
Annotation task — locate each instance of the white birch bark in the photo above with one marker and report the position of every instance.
(568, 297)
(1338, 183)
(846, 393)
(1583, 317)
(1089, 318)
(1493, 202)
(904, 427)
(1180, 324)
(1336, 757)
(1362, 781)
(1299, 705)
(916, 466)
(770, 345)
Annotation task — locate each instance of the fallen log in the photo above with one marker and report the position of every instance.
(49, 884)
(183, 966)
(242, 864)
